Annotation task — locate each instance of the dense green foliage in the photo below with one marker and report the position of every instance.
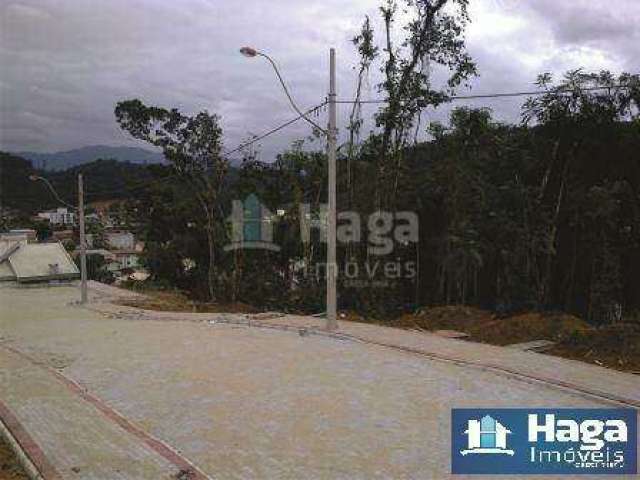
(104, 180)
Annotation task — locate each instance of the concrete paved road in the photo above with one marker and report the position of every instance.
(244, 402)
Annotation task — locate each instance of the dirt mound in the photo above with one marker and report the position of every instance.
(484, 326)
(174, 301)
(614, 346)
(446, 318)
(530, 326)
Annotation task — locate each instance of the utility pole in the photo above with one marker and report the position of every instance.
(332, 134)
(83, 243)
(332, 267)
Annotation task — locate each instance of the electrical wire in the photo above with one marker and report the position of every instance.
(274, 130)
(241, 146)
(53, 191)
(495, 95)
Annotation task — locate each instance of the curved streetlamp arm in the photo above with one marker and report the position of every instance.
(286, 91)
(55, 194)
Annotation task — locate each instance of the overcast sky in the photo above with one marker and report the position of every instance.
(65, 63)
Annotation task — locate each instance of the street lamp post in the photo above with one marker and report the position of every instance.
(83, 244)
(331, 134)
(332, 266)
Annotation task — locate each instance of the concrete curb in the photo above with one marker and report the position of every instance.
(23, 459)
(27, 451)
(526, 377)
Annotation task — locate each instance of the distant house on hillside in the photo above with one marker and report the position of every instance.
(59, 216)
(126, 258)
(120, 240)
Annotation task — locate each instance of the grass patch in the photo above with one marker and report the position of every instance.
(10, 469)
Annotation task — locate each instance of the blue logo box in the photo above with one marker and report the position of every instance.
(544, 441)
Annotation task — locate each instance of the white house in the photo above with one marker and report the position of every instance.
(60, 216)
(120, 240)
(126, 258)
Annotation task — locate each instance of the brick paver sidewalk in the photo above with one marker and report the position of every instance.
(68, 433)
(93, 393)
(603, 384)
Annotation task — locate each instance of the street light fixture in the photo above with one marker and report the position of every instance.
(250, 52)
(331, 134)
(83, 243)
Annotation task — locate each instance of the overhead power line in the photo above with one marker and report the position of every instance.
(274, 130)
(498, 95)
(145, 184)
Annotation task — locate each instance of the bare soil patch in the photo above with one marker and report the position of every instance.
(616, 346)
(174, 301)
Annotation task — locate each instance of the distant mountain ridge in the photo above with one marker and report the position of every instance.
(79, 156)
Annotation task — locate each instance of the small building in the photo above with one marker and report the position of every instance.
(126, 258)
(59, 216)
(115, 260)
(120, 240)
(35, 262)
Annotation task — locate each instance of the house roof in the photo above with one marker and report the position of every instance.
(36, 262)
(5, 272)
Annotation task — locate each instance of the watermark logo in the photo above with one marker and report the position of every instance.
(486, 436)
(251, 226)
(544, 441)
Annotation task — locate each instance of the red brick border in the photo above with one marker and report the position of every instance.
(188, 469)
(30, 448)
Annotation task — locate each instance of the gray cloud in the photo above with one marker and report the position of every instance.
(64, 63)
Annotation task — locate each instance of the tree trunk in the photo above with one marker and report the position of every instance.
(211, 273)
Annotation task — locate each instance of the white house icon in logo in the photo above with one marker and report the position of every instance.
(251, 226)
(487, 435)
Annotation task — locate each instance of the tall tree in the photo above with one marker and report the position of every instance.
(576, 121)
(193, 146)
(432, 37)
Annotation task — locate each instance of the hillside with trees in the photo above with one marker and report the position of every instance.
(539, 215)
(104, 180)
(542, 215)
